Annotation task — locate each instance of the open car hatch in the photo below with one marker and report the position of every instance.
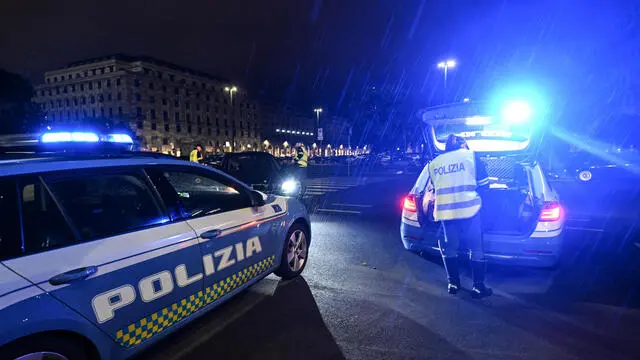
(509, 131)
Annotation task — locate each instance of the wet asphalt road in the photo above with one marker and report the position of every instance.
(362, 296)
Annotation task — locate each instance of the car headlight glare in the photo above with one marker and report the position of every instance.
(289, 186)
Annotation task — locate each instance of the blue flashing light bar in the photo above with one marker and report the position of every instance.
(120, 138)
(84, 137)
(54, 137)
(517, 112)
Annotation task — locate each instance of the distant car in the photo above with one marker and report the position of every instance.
(523, 221)
(263, 172)
(617, 168)
(104, 254)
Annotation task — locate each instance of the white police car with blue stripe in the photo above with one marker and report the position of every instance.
(105, 251)
(522, 216)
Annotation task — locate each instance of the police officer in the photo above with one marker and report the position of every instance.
(458, 177)
(196, 154)
(301, 156)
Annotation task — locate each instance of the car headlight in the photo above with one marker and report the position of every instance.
(289, 186)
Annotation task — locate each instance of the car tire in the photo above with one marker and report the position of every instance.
(295, 252)
(585, 176)
(55, 347)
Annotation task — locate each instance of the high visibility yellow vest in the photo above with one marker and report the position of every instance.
(193, 156)
(453, 176)
(302, 157)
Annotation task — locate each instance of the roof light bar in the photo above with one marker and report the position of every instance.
(120, 138)
(54, 137)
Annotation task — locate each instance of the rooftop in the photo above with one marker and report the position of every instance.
(150, 60)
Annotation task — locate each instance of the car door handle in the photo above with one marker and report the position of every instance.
(211, 234)
(73, 275)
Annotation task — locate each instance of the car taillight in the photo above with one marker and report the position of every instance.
(551, 211)
(409, 203)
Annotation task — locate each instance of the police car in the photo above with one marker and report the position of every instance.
(521, 213)
(104, 251)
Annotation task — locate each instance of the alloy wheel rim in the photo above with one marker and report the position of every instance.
(585, 175)
(297, 250)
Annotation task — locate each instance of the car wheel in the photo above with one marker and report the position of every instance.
(294, 253)
(49, 348)
(585, 175)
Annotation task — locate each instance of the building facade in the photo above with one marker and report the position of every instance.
(170, 108)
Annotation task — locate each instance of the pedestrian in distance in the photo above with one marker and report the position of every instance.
(196, 154)
(458, 178)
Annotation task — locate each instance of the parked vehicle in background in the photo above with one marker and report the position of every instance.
(213, 160)
(263, 172)
(618, 167)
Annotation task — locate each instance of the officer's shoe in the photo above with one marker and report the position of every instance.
(453, 288)
(481, 290)
(478, 269)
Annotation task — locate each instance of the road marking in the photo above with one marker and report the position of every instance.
(328, 187)
(340, 211)
(583, 228)
(353, 205)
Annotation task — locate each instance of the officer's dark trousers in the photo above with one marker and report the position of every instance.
(463, 234)
(301, 173)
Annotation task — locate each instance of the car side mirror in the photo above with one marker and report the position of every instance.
(257, 199)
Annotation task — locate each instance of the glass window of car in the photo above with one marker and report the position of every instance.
(102, 204)
(44, 225)
(250, 169)
(10, 237)
(206, 194)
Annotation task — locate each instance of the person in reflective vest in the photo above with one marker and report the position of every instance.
(300, 160)
(301, 156)
(196, 154)
(458, 177)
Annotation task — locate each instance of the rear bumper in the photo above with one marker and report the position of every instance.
(538, 250)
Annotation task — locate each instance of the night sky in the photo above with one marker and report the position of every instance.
(308, 52)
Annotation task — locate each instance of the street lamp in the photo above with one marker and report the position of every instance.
(446, 65)
(232, 90)
(318, 111)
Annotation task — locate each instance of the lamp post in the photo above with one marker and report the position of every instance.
(232, 90)
(445, 65)
(318, 111)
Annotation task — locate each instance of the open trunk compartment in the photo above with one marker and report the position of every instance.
(509, 206)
